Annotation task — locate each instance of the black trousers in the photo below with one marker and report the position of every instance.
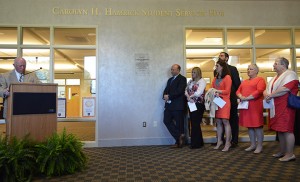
(234, 124)
(196, 133)
(174, 121)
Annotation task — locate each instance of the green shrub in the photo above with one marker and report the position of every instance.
(17, 159)
(60, 154)
(20, 160)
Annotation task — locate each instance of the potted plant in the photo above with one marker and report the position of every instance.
(17, 159)
(60, 154)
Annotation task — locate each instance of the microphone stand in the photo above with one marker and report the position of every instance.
(32, 71)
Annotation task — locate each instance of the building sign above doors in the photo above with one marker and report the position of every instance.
(142, 12)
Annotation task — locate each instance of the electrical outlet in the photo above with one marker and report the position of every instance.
(144, 124)
(154, 123)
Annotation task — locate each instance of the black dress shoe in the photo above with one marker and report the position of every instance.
(233, 145)
(195, 147)
(175, 146)
(181, 141)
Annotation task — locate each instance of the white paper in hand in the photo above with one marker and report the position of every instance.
(192, 106)
(243, 105)
(268, 105)
(220, 102)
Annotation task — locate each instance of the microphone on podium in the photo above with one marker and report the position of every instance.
(33, 71)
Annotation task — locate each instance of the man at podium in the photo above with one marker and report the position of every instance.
(16, 75)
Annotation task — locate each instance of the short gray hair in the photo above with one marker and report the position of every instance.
(255, 66)
(284, 61)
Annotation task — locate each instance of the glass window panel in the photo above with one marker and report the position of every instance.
(239, 37)
(73, 82)
(203, 58)
(204, 37)
(240, 58)
(75, 36)
(36, 36)
(71, 60)
(92, 86)
(71, 64)
(89, 67)
(297, 36)
(272, 36)
(60, 81)
(265, 59)
(36, 59)
(8, 35)
(7, 57)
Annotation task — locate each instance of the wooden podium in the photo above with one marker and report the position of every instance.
(31, 110)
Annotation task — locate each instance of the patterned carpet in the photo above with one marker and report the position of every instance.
(161, 163)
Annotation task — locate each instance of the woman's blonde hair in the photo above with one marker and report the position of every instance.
(198, 72)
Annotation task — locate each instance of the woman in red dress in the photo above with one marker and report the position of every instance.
(251, 91)
(282, 117)
(222, 83)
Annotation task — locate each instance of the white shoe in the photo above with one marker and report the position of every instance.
(288, 159)
(249, 149)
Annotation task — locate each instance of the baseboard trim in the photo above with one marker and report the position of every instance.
(163, 141)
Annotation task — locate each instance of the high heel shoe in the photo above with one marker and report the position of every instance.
(226, 148)
(218, 145)
(249, 149)
(257, 151)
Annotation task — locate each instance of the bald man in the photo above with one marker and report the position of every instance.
(15, 76)
(175, 104)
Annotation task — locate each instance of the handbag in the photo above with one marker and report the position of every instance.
(294, 101)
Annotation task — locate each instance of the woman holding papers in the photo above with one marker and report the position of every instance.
(194, 93)
(282, 117)
(251, 92)
(222, 83)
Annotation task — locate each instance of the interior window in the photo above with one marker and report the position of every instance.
(239, 37)
(36, 36)
(8, 35)
(273, 36)
(203, 46)
(77, 67)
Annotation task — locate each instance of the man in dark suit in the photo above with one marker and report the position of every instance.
(16, 75)
(175, 102)
(233, 120)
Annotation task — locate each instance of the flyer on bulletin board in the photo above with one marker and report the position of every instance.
(61, 107)
(88, 106)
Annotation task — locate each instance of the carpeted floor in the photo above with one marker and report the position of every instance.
(161, 163)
